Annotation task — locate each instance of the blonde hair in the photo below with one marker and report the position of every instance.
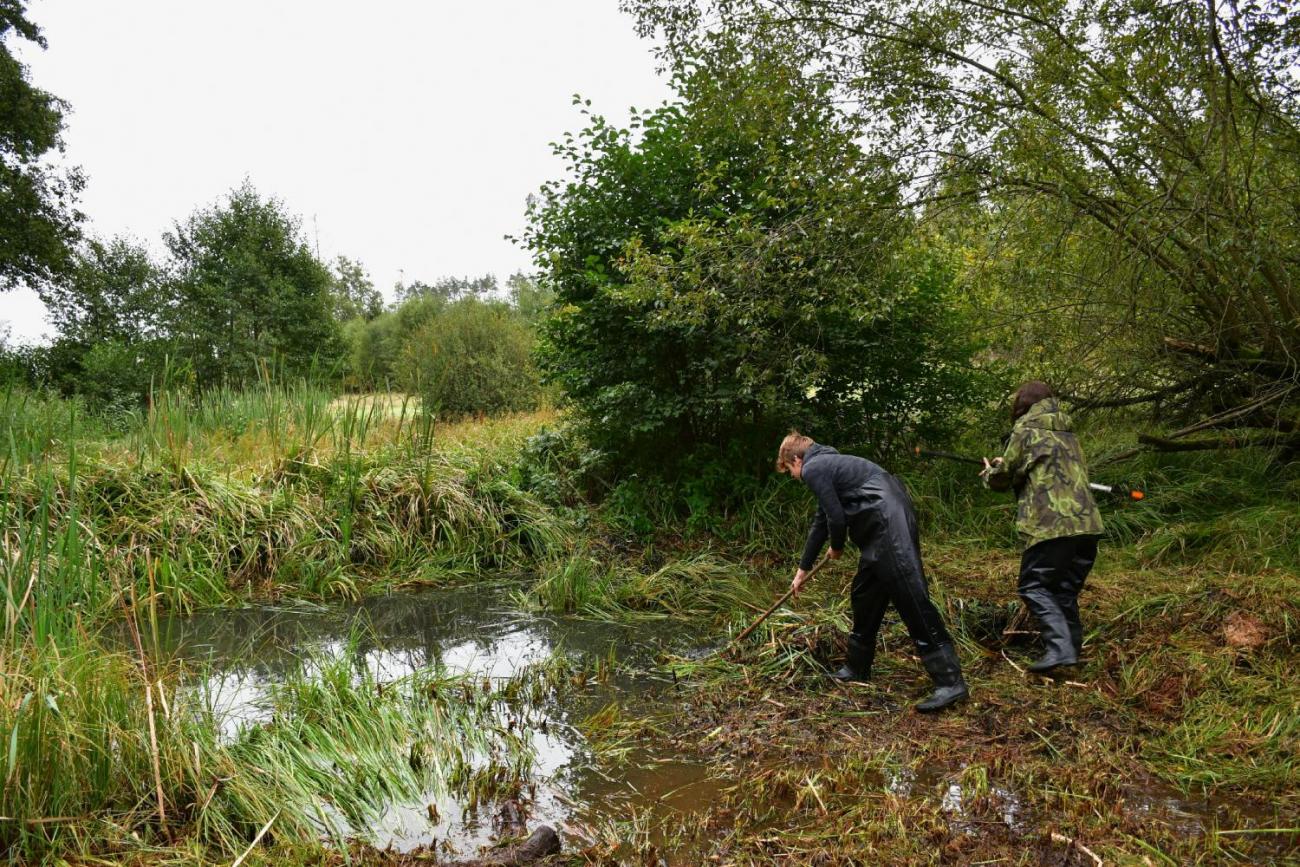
(795, 445)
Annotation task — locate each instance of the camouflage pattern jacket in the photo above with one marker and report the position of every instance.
(1045, 466)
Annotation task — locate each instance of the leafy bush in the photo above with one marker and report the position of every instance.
(560, 468)
(473, 358)
(115, 377)
(734, 265)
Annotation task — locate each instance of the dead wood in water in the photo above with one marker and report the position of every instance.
(540, 844)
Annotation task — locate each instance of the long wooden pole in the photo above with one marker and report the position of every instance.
(742, 636)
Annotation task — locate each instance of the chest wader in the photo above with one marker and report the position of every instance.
(890, 572)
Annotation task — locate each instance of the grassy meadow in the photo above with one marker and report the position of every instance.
(1176, 742)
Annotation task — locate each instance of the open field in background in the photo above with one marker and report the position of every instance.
(1186, 706)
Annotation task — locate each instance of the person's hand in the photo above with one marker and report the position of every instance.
(800, 576)
(835, 555)
(990, 466)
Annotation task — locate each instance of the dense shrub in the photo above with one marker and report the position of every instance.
(733, 265)
(473, 358)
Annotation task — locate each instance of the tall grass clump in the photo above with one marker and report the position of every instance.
(104, 754)
(1229, 510)
(280, 489)
(35, 425)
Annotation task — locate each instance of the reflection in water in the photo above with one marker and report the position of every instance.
(237, 657)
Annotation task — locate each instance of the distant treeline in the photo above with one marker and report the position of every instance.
(239, 292)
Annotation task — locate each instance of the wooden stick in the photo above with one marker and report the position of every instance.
(1070, 841)
(257, 839)
(768, 613)
(1013, 664)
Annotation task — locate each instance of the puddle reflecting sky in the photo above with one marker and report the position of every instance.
(243, 653)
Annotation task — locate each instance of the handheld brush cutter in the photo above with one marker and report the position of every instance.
(1118, 490)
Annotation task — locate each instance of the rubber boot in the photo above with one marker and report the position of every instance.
(1076, 629)
(1059, 643)
(945, 670)
(857, 665)
(1054, 628)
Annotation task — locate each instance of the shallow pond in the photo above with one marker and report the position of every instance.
(244, 653)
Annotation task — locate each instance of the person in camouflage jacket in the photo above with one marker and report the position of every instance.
(1056, 517)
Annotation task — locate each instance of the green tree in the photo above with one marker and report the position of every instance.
(1133, 166)
(731, 265)
(472, 358)
(528, 296)
(247, 289)
(355, 296)
(17, 363)
(38, 218)
(113, 291)
(108, 309)
(450, 288)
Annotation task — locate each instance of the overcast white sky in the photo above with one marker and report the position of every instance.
(411, 131)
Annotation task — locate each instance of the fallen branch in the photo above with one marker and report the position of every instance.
(1188, 347)
(1217, 420)
(1133, 399)
(1164, 444)
(1070, 841)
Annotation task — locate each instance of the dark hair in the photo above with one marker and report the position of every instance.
(1027, 395)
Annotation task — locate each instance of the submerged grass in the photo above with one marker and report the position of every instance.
(95, 768)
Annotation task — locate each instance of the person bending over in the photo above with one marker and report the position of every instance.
(1056, 517)
(857, 499)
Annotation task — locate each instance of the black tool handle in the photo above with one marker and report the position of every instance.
(952, 456)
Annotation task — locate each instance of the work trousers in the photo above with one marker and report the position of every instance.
(890, 572)
(1052, 573)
